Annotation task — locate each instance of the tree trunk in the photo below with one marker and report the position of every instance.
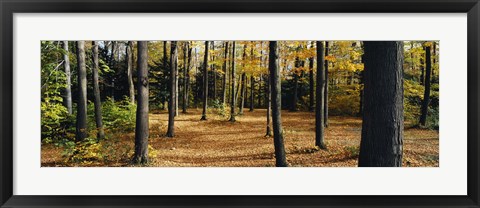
(165, 70)
(269, 106)
(311, 82)
(260, 91)
(320, 90)
(185, 66)
(96, 93)
(422, 67)
(232, 105)
(175, 62)
(242, 94)
(426, 95)
(273, 65)
(382, 126)
(225, 71)
(130, 72)
(434, 58)
(252, 87)
(141, 127)
(325, 100)
(81, 130)
(173, 85)
(205, 82)
(295, 87)
(68, 76)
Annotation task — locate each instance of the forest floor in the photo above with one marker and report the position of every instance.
(217, 142)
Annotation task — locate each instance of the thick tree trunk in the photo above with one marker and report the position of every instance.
(320, 90)
(68, 76)
(81, 130)
(232, 104)
(205, 82)
(325, 100)
(173, 90)
(273, 66)
(242, 94)
(225, 72)
(426, 95)
(129, 57)
(141, 127)
(96, 93)
(382, 126)
(252, 87)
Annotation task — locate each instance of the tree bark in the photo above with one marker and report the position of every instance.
(311, 82)
(422, 68)
(325, 100)
(426, 95)
(320, 90)
(81, 130)
(273, 65)
(141, 127)
(175, 62)
(232, 94)
(252, 87)
(131, 88)
(382, 126)
(242, 94)
(225, 71)
(96, 93)
(173, 90)
(165, 69)
(295, 87)
(205, 82)
(186, 76)
(68, 76)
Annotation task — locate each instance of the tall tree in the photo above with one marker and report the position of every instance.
(205, 82)
(325, 100)
(141, 127)
(274, 68)
(426, 95)
(96, 93)
(68, 88)
(295, 86)
(252, 79)
(311, 82)
(242, 94)
(165, 58)
(225, 72)
(81, 130)
(320, 90)
(173, 85)
(382, 126)
(186, 75)
(232, 103)
(422, 68)
(131, 88)
(214, 73)
(176, 79)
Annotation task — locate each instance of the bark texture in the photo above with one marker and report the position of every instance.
(205, 82)
(173, 90)
(81, 130)
(96, 93)
(274, 68)
(68, 76)
(426, 95)
(320, 90)
(382, 126)
(141, 127)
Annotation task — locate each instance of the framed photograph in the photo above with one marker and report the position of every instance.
(265, 103)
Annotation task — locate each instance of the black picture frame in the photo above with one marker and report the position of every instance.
(9, 7)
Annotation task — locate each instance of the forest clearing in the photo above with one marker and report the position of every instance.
(240, 104)
(217, 142)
